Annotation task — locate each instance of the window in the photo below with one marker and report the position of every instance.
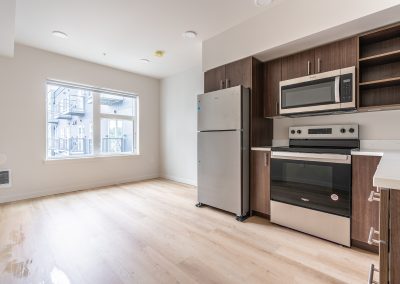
(84, 121)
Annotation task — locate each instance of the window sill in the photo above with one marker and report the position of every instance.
(89, 159)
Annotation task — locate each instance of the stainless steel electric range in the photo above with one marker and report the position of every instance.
(311, 181)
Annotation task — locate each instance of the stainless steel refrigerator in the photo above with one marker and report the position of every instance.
(223, 124)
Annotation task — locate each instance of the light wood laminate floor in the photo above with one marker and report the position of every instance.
(151, 232)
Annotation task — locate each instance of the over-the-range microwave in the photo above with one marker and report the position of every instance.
(324, 92)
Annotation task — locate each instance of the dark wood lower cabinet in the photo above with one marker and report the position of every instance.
(260, 182)
(364, 214)
(388, 238)
(384, 236)
(394, 263)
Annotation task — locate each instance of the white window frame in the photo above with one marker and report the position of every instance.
(96, 120)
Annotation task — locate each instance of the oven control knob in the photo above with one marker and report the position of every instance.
(299, 131)
(293, 131)
(343, 130)
(351, 130)
(334, 197)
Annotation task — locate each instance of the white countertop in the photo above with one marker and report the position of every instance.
(262, 148)
(387, 174)
(368, 152)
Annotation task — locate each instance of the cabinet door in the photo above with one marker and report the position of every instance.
(365, 214)
(214, 79)
(336, 55)
(384, 208)
(272, 77)
(298, 65)
(348, 50)
(260, 181)
(239, 73)
(394, 263)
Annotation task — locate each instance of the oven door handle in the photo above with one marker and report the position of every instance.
(313, 157)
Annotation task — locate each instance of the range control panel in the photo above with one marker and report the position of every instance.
(350, 131)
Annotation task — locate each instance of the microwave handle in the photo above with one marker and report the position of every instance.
(337, 89)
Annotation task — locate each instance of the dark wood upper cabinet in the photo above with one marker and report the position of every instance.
(239, 73)
(298, 65)
(365, 214)
(214, 79)
(327, 57)
(336, 55)
(379, 69)
(260, 182)
(348, 48)
(247, 72)
(272, 77)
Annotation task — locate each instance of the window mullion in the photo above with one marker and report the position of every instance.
(96, 124)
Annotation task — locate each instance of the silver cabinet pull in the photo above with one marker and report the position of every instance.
(265, 160)
(227, 83)
(374, 196)
(319, 65)
(308, 67)
(372, 241)
(371, 275)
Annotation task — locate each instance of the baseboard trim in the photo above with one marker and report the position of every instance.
(68, 189)
(260, 214)
(364, 246)
(181, 180)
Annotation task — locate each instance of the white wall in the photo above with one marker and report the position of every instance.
(179, 125)
(377, 129)
(291, 20)
(23, 125)
(7, 27)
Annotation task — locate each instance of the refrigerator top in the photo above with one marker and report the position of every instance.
(221, 110)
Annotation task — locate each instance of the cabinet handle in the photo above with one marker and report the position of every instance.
(227, 83)
(371, 275)
(372, 241)
(277, 108)
(319, 65)
(374, 196)
(221, 84)
(308, 67)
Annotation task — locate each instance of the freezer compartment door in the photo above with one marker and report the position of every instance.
(220, 110)
(220, 171)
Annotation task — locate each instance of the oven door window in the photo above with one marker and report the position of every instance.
(321, 186)
(319, 92)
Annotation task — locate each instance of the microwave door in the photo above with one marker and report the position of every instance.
(317, 95)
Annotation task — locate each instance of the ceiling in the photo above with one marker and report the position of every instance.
(128, 30)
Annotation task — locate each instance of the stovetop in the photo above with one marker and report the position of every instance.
(319, 150)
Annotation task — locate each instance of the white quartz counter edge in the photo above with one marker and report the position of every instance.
(367, 152)
(387, 174)
(261, 148)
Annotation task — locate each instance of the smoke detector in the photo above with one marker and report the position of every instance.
(262, 3)
(189, 34)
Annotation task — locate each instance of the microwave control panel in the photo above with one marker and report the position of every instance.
(346, 88)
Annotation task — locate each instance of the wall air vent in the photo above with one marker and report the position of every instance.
(5, 178)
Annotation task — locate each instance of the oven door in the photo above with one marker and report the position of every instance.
(315, 181)
(319, 92)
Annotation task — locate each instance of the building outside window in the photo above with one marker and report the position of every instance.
(84, 121)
